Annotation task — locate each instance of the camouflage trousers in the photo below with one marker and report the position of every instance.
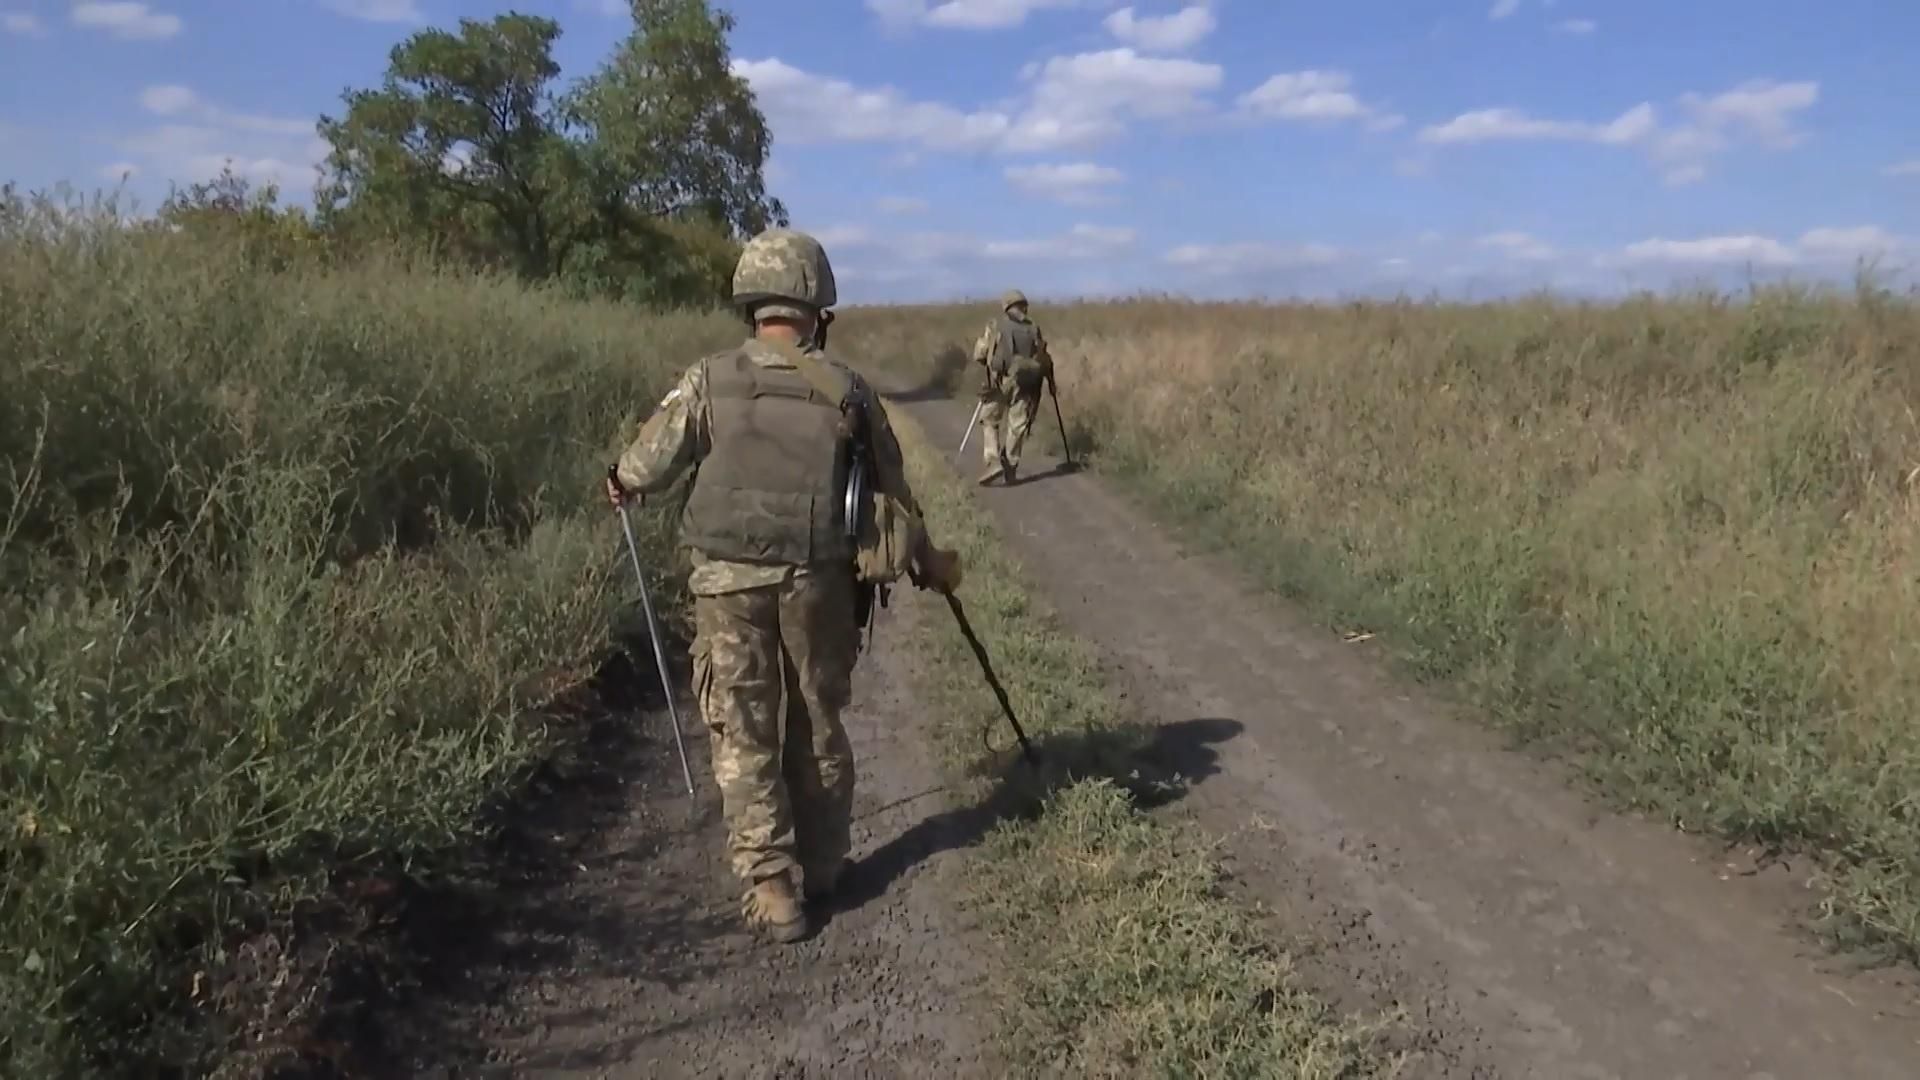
(1006, 402)
(773, 668)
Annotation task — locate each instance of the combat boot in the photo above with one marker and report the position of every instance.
(772, 909)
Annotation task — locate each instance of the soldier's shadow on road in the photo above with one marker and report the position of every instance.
(1155, 764)
(1062, 468)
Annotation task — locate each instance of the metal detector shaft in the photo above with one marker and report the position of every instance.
(969, 434)
(653, 635)
(1054, 392)
(1000, 692)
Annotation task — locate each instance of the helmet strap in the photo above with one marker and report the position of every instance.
(818, 339)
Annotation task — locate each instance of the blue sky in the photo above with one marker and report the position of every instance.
(1229, 147)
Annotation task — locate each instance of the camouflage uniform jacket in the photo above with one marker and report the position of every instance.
(680, 433)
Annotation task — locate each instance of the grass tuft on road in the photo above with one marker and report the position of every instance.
(1121, 955)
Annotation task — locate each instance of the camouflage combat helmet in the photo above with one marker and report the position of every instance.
(782, 264)
(1013, 297)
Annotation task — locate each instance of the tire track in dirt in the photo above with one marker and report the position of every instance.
(619, 953)
(1527, 931)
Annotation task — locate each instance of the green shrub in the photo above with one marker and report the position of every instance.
(293, 556)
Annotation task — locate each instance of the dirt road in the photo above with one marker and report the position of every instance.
(1529, 933)
(1406, 857)
(614, 950)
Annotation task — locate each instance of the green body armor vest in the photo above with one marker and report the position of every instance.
(770, 487)
(1019, 352)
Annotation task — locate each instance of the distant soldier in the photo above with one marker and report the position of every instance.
(1018, 370)
(778, 577)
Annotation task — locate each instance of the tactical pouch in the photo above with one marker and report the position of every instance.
(884, 546)
(1029, 374)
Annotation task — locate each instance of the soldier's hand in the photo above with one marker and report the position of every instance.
(615, 494)
(941, 570)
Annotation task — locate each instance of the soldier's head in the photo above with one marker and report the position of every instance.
(1014, 303)
(783, 284)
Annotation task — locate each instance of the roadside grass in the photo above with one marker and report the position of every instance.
(1677, 540)
(1121, 955)
(295, 562)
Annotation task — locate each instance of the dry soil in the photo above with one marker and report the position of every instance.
(610, 945)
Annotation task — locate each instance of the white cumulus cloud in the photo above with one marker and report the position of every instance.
(1819, 252)
(179, 101)
(1078, 243)
(1518, 245)
(1251, 257)
(126, 19)
(966, 14)
(1324, 96)
(387, 11)
(804, 107)
(1759, 112)
(1849, 242)
(1712, 250)
(1077, 182)
(900, 256)
(1071, 102)
(1177, 32)
(1085, 99)
(1760, 108)
(196, 138)
(167, 100)
(1490, 125)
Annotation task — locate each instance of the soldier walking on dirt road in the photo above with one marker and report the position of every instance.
(779, 577)
(1018, 368)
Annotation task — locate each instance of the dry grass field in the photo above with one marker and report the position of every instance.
(1678, 538)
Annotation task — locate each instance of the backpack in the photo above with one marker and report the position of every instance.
(1018, 355)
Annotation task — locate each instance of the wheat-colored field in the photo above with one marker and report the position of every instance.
(1674, 537)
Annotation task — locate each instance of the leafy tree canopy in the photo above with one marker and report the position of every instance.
(622, 185)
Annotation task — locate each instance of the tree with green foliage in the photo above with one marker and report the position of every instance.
(636, 183)
(672, 130)
(462, 146)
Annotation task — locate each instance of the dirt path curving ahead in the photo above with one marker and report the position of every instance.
(1528, 932)
(614, 948)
